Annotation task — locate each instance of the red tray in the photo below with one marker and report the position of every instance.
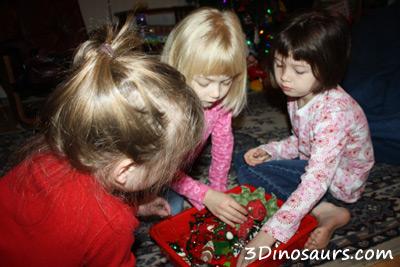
(170, 229)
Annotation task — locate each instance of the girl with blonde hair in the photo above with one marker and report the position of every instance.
(208, 47)
(121, 123)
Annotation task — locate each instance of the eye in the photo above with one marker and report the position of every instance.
(203, 83)
(278, 65)
(300, 71)
(227, 82)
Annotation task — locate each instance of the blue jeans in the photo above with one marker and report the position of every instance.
(175, 201)
(280, 177)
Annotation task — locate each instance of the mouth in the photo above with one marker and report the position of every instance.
(208, 103)
(286, 89)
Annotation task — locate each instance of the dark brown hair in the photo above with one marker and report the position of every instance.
(318, 37)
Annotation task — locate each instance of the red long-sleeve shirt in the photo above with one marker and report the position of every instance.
(53, 216)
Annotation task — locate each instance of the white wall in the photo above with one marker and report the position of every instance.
(95, 12)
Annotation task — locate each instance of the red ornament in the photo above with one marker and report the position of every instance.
(253, 70)
(205, 232)
(244, 229)
(256, 210)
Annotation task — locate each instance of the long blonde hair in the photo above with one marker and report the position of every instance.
(120, 103)
(210, 42)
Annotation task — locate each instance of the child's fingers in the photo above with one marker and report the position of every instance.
(162, 205)
(255, 156)
(249, 162)
(235, 213)
(235, 207)
(232, 217)
(259, 157)
(252, 161)
(161, 212)
(231, 212)
(167, 208)
(227, 221)
(243, 261)
(235, 216)
(258, 153)
(263, 158)
(239, 209)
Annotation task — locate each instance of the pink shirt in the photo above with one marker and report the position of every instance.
(219, 126)
(332, 133)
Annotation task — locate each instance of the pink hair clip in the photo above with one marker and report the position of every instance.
(107, 49)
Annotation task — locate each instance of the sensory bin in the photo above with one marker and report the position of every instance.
(197, 238)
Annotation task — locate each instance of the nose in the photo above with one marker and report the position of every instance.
(285, 76)
(215, 92)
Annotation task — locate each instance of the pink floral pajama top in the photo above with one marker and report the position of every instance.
(219, 126)
(332, 133)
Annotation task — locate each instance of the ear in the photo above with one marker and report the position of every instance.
(122, 171)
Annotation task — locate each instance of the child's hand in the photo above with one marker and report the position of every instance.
(251, 252)
(224, 207)
(256, 156)
(155, 206)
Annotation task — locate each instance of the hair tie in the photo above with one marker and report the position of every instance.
(107, 49)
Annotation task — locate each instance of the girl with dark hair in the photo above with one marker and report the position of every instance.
(329, 154)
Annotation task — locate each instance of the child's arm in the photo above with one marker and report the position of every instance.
(251, 252)
(287, 148)
(192, 189)
(284, 149)
(331, 137)
(256, 156)
(221, 151)
(224, 207)
(220, 204)
(154, 206)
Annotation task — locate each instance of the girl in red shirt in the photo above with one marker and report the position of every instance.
(121, 123)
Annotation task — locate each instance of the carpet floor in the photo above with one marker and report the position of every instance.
(375, 218)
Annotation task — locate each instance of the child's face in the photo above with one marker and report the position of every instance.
(210, 89)
(295, 78)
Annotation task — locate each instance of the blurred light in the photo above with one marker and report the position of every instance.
(262, 31)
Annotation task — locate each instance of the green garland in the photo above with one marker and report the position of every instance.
(246, 196)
